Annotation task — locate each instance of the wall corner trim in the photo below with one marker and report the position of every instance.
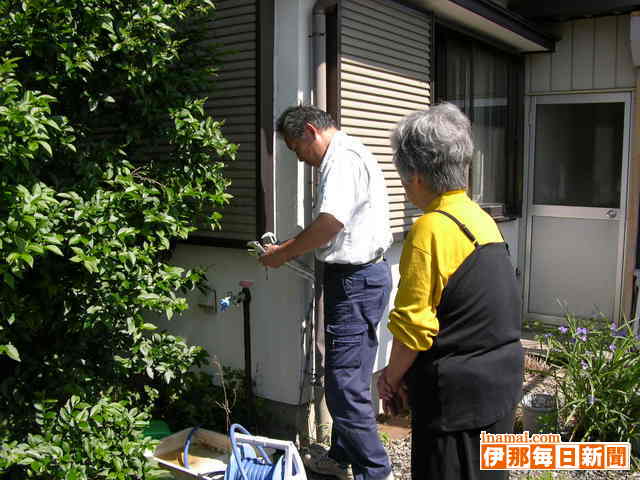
(634, 34)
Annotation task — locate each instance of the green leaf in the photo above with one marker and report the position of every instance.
(30, 220)
(91, 264)
(9, 280)
(11, 352)
(54, 249)
(46, 147)
(75, 239)
(52, 239)
(27, 259)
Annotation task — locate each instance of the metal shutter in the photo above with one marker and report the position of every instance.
(235, 101)
(385, 73)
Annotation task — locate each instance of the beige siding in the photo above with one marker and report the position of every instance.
(593, 54)
(583, 53)
(604, 73)
(385, 73)
(625, 72)
(235, 101)
(560, 66)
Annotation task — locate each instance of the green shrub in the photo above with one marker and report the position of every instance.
(598, 380)
(107, 157)
(81, 441)
(198, 400)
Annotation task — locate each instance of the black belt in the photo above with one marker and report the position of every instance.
(351, 267)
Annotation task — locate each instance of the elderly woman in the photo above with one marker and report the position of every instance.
(457, 318)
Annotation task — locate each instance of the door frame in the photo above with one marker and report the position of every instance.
(530, 139)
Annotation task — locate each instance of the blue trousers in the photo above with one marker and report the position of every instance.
(355, 298)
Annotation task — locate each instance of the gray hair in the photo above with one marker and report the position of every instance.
(292, 121)
(435, 144)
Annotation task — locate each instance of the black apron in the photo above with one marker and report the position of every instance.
(472, 375)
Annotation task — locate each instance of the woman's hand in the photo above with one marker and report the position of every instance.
(394, 393)
(386, 389)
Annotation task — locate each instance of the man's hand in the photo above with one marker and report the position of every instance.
(274, 256)
(319, 233)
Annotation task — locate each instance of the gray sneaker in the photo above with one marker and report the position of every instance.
(325, 465)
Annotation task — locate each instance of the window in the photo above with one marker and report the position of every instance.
(384, 73)
(487, 84)
(243, 98)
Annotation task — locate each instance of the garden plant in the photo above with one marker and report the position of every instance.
(598, 379)
(108, 155)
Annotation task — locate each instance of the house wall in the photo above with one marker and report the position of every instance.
(278, 305)
(592, 54)
(280, 298)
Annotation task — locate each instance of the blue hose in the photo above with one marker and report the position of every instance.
(255, 471)
(187, 444)
(251, 468)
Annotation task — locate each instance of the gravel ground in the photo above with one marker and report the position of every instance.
(400, 455)
(400, 450)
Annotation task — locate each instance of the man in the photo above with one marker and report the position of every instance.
(350, 234)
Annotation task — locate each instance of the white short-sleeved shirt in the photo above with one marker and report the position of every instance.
(351, 188)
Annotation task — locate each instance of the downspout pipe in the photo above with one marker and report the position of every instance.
(323, 420)
(246, 312)
(319, 54)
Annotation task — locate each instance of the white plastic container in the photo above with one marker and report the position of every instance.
(209, 452)
(535, 406)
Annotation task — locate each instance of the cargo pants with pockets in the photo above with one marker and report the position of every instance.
(355, 298)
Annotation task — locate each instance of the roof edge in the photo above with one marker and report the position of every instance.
(509, 20)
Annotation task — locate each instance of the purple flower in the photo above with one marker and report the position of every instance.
(581, 331)
(617, 331)
(548, 335)
(582, 337)
(563, 329)
(592, 399)
(612, 347)
(584, 365)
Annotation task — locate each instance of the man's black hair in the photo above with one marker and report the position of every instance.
(292, 121)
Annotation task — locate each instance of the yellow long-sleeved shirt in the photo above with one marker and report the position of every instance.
(432, 252)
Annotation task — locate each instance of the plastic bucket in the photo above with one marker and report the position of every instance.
(157, 429)
(535, 407)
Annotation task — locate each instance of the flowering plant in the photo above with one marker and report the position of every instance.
(598, 379)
